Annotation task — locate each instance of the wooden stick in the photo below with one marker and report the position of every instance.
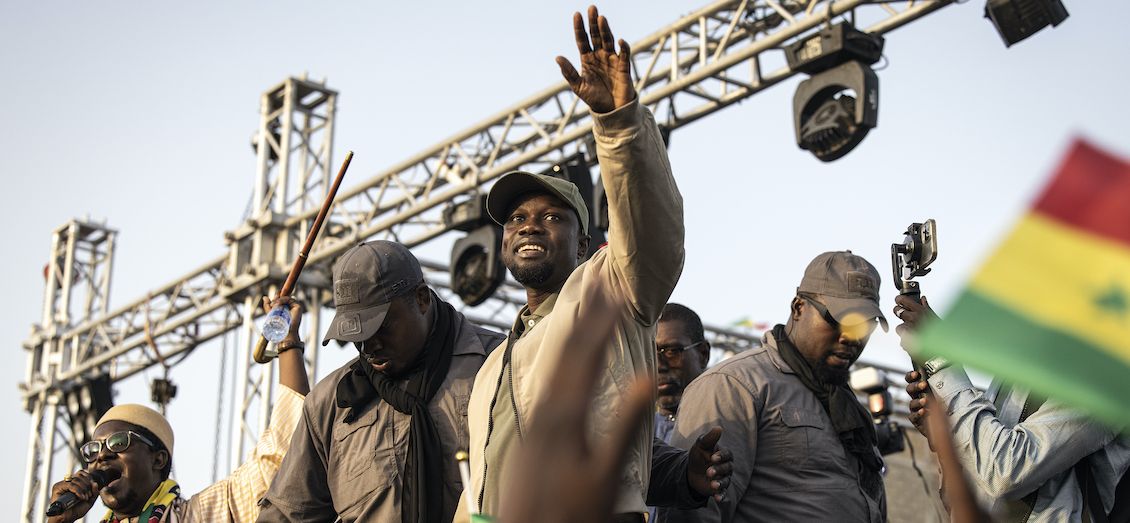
(262, 354)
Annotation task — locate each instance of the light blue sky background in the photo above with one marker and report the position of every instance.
(140, 114)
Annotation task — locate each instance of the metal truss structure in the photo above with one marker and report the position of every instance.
(702, 63)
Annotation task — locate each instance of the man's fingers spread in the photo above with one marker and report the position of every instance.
(607, 41)
(625, 57)
(594, 28)
(568, 71)
(580, 35)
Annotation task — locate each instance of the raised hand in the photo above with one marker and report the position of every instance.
(296, 312)
(605, 80)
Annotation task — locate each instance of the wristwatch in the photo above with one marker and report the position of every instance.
(932, 366)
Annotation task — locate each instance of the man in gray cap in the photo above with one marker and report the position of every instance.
(378, 436)
(545, 240)
(804, 448)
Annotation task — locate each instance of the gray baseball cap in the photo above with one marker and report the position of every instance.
(849, 285)
(512, 185)
(366, 279)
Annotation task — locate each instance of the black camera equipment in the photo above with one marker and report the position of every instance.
(912, 257)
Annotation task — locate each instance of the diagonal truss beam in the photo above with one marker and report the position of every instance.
(702, 63)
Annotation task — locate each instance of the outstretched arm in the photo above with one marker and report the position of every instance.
(645, 210)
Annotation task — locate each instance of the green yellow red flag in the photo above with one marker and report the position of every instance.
(1050, 309)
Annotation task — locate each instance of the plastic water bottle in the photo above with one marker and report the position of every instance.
(277, 324)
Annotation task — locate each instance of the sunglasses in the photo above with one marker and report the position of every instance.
(117, 443)
(820, 308)
(855, 331)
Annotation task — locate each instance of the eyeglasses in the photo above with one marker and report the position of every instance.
(821, 309)
(117, 443)
(675, 354)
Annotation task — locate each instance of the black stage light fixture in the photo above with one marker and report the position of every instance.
(828, 121)
(85, 404)
(576, 170)
(162, 391)
(476, 267)
(1016, 20)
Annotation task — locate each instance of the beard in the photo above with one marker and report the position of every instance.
(531, 275)
(832, 375)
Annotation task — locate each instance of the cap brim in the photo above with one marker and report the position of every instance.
(502, 194)
(356, 325)
(850, 311)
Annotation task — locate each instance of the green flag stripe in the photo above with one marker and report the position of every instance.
(982, 334)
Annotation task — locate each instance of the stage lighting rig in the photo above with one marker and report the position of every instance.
(86, 402)
(1016, 20)
(476, 267)
(828, 120)
(576, 170)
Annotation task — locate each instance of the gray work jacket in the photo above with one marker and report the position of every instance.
(789, 464)
(354, 471)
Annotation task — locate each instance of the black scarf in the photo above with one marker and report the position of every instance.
(423, 475)
(849, 419)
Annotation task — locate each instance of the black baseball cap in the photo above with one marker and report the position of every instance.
(366, 279)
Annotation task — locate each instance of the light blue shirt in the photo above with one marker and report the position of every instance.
(1007, 460)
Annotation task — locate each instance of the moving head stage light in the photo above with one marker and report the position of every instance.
(828, 120)
(1016, 20)
(476, 267)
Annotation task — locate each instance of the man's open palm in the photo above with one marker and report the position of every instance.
(605, 80)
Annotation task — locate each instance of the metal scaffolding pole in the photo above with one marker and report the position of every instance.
(702, 63)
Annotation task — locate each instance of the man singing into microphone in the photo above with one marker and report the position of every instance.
(131, 455)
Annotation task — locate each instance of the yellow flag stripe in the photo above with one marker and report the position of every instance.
(1056, 275)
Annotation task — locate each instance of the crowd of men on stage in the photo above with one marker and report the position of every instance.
(597, 404)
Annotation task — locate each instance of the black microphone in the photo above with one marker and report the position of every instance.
(69, 499)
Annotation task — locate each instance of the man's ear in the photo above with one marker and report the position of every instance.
(795, 308)
(583, 247)
(423, 298)
(704, 350)
(161, 459)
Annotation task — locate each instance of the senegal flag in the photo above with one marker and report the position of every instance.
(1050, 309)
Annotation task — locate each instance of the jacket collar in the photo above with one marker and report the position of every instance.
(770, 344)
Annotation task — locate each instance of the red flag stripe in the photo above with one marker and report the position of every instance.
(1091, 191)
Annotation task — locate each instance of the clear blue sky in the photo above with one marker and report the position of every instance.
(140, 114)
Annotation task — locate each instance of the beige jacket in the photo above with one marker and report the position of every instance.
(640, 266)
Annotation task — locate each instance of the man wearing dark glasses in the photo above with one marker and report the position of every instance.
(804, 448)
(682, 353)
(130, 457)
